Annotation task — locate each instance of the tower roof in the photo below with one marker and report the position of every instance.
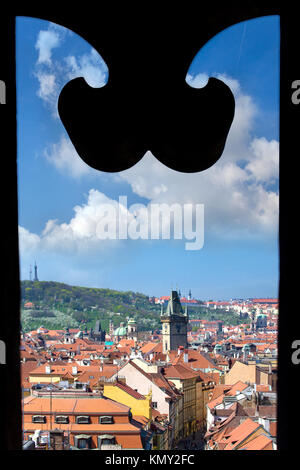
(121, 330)
(174, 306)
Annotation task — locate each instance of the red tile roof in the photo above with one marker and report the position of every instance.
(74, 405)
(129, 390)
(261, 442)
(179, 371)
(240, 433)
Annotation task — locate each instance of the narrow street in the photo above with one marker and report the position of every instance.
(194, 441)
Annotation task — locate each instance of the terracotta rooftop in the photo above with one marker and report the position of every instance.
(74, 405)
(261, 442)
(130, 391)
(180, 371)
(238, 386)
(244, 430)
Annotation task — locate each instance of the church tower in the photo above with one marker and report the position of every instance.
(253, 320)
(111, 328)
(174, 325)
(132, 329)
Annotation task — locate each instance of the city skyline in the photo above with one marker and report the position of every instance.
(183, 293)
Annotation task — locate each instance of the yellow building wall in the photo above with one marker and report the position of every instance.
(138, 407)
(45, 379)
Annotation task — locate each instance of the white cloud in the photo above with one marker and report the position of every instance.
(264, 164)
(28, 242)
(80, 234)
(53, 74)
(235, 190)
(239, 138)
(101, 221)
(89, 66)
(63, 156)
(46, 41)
(48, 87)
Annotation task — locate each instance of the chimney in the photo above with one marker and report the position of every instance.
(186, 356)
(179, 351)
(48, 369)
(74, 370)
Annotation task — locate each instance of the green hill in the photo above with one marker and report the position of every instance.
(57, 305)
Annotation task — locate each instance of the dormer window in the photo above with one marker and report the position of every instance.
(62, 419)
(39, 419)
(82, 420)
(106, 420)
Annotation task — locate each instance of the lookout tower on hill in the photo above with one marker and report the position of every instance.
(35, 272)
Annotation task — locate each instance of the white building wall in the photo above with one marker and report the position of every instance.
(143, 385)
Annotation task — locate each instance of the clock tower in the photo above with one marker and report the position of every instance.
(174, 325)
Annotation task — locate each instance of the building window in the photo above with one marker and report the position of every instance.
(106, 420)
(62, 419)
(82, 441)
(106, 440)
(39, 419)
(82, 420)
(82, 444)
(154, 404)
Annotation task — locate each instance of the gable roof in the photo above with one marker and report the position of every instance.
(180, 371)
(129, 390)
(196, 359)
(240, 433)
(238, 386)
(261, 442)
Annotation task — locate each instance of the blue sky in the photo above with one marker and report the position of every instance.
(59, 196)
